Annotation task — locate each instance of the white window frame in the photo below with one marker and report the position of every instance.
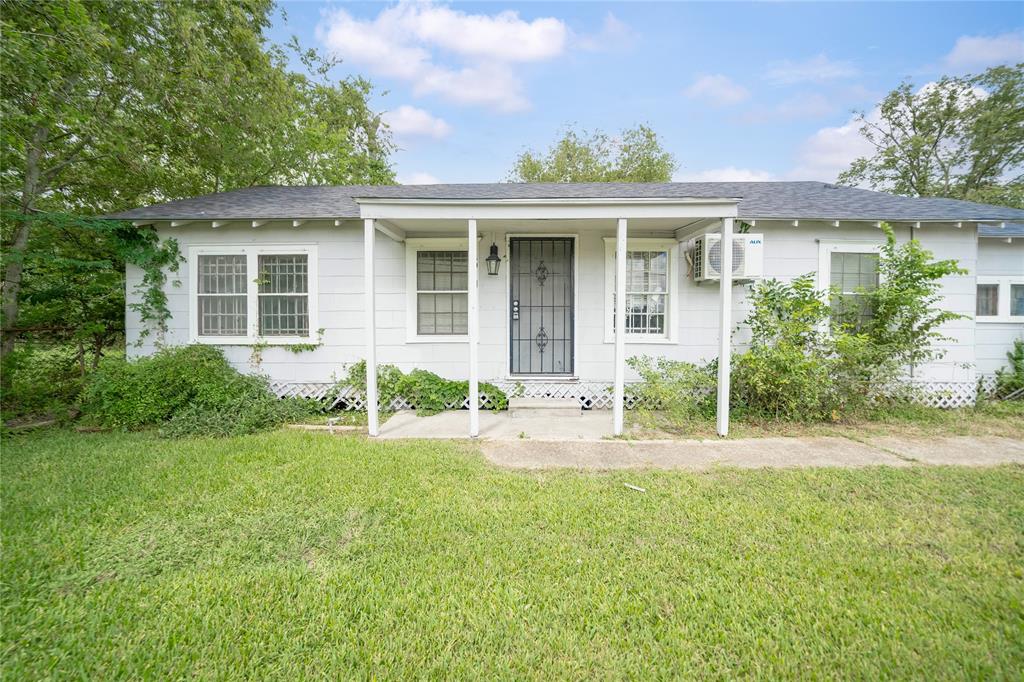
(1004, 282)
(671, 246)
(826, 247)
(413, 247)
(252, 252)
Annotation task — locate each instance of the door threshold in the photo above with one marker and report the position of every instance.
(552, 378)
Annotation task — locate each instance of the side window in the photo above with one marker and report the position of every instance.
(284, 295)
(1017, 300)
(651, 290)
(247, 294)
(646, 292)
(987, 300)
(222, 307)
(442, 293)
(852, 275)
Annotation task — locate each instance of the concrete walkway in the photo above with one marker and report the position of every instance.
(584, 443)
(591, 425)
(753, 453)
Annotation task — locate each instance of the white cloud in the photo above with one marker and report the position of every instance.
(717, 90)
(830, 151)
(972, 52)
(401, 41)
(408, 121)
(817, 69)
(419, 178)
(614, 34)
(727, 174)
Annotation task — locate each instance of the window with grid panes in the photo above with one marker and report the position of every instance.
(987, 300)
(646, 292)
(442, 293)
(284, 295)
(222, 304)
(853, 274)
(1017, 300)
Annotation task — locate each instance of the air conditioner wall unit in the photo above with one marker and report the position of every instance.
(747, 257)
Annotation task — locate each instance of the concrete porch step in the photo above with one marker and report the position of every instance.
(526, 408)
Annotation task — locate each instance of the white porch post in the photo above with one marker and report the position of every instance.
(474, 333)
(725, 329)
(618, 405)
(369, 237)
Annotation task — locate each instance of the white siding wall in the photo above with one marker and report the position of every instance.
(789, 252)
(997, 258)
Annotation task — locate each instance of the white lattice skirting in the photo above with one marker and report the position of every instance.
(597, 395)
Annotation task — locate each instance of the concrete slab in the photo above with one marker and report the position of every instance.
(965, 450)
(697, 455)
(585, 443)
(591, 425)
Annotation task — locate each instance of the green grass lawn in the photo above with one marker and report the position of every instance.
(305, 555)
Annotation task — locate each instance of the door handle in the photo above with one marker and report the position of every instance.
(515, 309)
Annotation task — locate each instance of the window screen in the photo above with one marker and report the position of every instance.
(284, 295)
(442, 292)
(222, 306)
(852, 275)
(988, 300)
(646, 292)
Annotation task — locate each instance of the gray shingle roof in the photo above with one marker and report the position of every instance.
(1011, 230)
(805, 200)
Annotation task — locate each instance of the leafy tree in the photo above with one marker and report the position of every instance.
(958, 137)
(635, 156)
(108, 105)
(906, 310)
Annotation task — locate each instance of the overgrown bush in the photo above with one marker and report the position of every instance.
(807, 361)
(42, 380)
(677, 391)
(427, 392)
(187, 390)
(1011, 380)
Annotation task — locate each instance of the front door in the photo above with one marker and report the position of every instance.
(541, 295)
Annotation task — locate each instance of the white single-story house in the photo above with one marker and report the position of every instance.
(515, 284)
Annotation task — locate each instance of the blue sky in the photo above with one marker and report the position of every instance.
(736, 91)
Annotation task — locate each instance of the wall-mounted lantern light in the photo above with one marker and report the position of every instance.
(493, 261)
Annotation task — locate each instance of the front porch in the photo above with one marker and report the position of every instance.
(554, 230)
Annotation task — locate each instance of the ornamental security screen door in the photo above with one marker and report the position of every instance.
(541, 295)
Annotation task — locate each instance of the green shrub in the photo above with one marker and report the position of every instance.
(679, 391)
(187, 390)
(782, 382)
(427, 392)
(1010, 380)
(43, 380)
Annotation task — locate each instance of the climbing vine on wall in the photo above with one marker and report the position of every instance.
(72, 285)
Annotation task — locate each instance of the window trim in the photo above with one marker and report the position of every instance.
(412, 247)
(252, 252)
(826, 247)
(671, 246)
(1004, 282)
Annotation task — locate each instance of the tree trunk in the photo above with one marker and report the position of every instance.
(81, 358)
(97, 349)
(16, 251)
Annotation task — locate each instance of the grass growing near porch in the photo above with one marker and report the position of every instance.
(293, 554)
(988, 418)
